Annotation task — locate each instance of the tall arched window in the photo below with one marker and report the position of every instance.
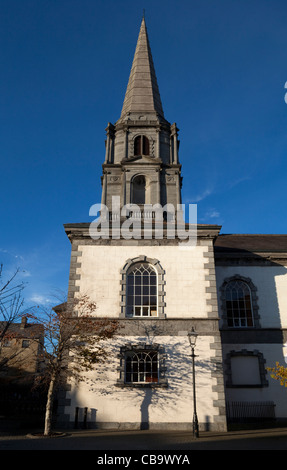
(141, 291)
(141, 145)
(141, 367)
(238, 300)
(138, 193)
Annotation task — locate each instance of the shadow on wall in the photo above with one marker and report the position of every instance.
(152, 404)
(145, 409)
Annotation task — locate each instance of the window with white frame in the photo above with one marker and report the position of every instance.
(141, 367)
(141, 291)
(238, 300)
(239, 303)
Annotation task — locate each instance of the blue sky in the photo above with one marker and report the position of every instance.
(221, 68)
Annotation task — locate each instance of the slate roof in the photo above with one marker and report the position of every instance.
(236, 243)
(27, 330)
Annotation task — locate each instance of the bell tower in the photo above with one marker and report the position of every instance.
(141, 162)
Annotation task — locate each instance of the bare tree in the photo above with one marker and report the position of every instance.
(75, 341)
(11, 308)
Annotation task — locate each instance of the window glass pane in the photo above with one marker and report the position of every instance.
(138, 280)
(137, 300)
(230, 322)
(145, 290)
(153, 278)
(137, 311)
(130, 300)
(152, 290)
(145, 300)
(141, 365)
(145, 279)
(130, 310)
(130, 289)
(153, 312)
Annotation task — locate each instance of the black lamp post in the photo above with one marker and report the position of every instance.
(192, 340)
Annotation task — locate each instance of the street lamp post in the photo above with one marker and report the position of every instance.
(192, 340)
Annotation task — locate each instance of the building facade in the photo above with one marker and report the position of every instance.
(139, 269)
(21, 352)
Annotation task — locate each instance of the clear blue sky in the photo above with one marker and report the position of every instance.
(221, 67)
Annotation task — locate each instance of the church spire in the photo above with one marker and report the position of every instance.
(141, 160)
(142, 94)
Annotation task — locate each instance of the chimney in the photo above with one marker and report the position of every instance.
(23, 322)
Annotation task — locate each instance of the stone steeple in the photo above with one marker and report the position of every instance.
(142, 94)
(141, 162)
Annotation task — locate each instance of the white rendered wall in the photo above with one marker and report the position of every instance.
(114, 407)
(271, 283)
(185, 284)
(274, 391)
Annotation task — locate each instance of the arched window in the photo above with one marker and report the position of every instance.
(142, 291)
(142, 288)
(238, 303)
(138, 192)
(141, 367)
(141, 145)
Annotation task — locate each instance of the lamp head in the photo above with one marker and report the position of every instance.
(192, 335)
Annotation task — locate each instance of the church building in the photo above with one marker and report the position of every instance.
(227, 291)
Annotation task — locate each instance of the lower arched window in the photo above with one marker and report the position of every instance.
(141, 291)
(141, 367)
(138, 193)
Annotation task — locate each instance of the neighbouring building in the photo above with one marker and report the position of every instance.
(229, 289)
(20, 352)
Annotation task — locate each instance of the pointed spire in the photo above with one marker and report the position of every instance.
(142, 94)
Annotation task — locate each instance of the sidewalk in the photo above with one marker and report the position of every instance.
(149, 441)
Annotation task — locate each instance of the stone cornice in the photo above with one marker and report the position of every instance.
(81, 231)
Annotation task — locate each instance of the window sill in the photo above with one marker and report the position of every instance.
(143, 385)
(240, 328)
(246, 386)
(160, 316)
(133, 317)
